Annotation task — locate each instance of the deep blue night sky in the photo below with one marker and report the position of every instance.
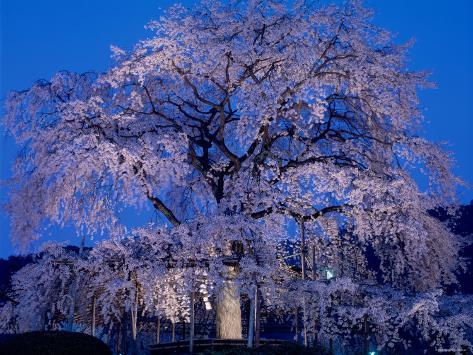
(39, 38)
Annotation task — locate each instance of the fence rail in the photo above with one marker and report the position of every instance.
(182, 347)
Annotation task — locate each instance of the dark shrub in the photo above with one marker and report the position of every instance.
(52, 343)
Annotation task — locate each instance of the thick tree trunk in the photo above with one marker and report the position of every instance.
(229, 311)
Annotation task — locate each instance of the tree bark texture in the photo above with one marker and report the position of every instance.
(228, 310)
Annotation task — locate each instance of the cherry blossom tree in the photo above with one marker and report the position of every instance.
(42, 295)
(234, 119)
(117, 287)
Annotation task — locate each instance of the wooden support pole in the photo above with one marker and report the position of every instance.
(192, 319)
(94, 302)
(251, 321)
(365, 334)
(303, 267)
(303, 247)
(314, 265)
(173, 336)
(257, 318)
(134, 316)
(158, 330)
